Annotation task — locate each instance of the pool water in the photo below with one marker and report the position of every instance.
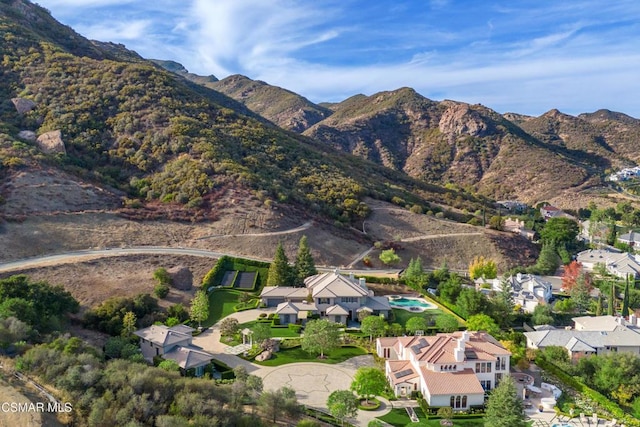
(410, 302)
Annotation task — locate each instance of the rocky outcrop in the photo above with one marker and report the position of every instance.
(23, 105)
(29, 135)
(459, 119)
(51, 142)
(181, 277)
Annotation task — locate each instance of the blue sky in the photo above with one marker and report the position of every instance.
(513, 56)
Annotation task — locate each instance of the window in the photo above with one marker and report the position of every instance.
(486, 384)
(323, 300)
(337, 319)
(458, 402)
(501, 363)
(483, 367)
(349, 299)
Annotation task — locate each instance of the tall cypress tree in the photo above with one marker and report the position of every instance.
(304, 265)
(612, 299)
(625, 300)
(279, 270)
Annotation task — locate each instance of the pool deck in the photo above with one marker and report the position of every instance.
(548, 417)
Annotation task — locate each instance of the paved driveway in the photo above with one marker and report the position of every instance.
(313, 382)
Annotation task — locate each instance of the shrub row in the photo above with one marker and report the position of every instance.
(475, 411)
(227, 263)
(254, 303)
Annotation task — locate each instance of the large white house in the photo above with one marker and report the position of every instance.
(448, 369)
(591, 336)
(331, 296)
(527, 290)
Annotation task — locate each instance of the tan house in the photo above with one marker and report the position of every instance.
(331, 296)
(448, 369)
(173, 344)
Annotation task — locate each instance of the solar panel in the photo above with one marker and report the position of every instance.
(403, 373)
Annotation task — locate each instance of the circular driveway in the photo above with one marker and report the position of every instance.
(313, 382)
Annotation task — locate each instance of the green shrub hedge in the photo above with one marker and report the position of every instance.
(374, 404)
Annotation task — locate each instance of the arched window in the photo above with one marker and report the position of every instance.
(458, 401)
(464, 401)
(452, 401)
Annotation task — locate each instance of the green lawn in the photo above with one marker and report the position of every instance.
(275, 332)
(403, 315)
(293, 355)
(399, 417)
(221, 304)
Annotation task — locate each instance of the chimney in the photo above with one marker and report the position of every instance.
(519, 277)
(633, 319)
(458, 353)
(464, 338)
(351, 275)
(363, 283)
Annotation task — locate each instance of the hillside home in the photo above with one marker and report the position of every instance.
(632, 238)
(448, 369)
(528, 290)
(331, 296)
(590, 336)
(619, 264)
(173, 344)
(549, 211)
(517, 226)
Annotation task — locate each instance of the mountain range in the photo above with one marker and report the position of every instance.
(160, 134)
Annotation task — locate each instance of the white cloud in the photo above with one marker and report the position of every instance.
(120, 31)
(246, 35)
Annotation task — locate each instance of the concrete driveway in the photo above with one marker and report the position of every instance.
(313, 382)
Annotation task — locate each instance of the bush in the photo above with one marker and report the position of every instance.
(161, 290)
(294, 327)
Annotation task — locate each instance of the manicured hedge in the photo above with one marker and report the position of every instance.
(254, 303)
(227, 263)
(374, 404)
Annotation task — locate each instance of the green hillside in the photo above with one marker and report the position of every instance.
(157, 136)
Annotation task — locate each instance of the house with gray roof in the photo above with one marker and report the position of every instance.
(527, 290)
(632, 238)
(332, 296)
(591, 336)
(619, 264)
(173, 343)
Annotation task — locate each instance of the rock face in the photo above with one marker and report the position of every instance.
(29, 135)
(181, 277)
(459, 119)
(51, 142)
(23, 105)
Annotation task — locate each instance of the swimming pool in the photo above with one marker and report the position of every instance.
(410, 303)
